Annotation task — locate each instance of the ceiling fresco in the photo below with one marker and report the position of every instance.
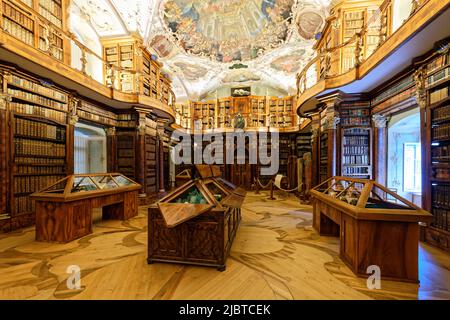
(226, 31)
(205, 44)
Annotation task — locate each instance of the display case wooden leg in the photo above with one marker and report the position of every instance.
(150, 261)
(271, 191)
(222, 268)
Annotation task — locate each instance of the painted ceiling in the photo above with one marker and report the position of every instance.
(208, 44)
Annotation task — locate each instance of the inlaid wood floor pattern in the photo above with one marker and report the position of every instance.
(276, 255)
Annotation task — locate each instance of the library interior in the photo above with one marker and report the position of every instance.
(224, 149)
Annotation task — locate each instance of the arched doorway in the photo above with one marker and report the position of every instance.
(404, 172)
(90, 149)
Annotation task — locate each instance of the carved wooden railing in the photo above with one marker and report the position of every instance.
(319, 68)
(63, 46)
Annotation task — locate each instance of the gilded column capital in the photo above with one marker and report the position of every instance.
(4, 99)
(315, 133)
(110, 131)
(379, 121)
(332, 122)
(73, 119)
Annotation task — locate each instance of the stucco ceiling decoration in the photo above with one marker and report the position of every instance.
(199, 40)
(273, 38)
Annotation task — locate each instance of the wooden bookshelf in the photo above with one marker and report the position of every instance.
(224, 107)
(258, 112)
(183, 115)
(323, 157)
(150, 165)
(284, 153)
(39, 140)
(356, 154)
(353, 22)
(356, 139)
(18, 23)
(52, 10)
(120, 53)
(343, 25)
(436, 150)
(100, 115)
(303, 143)
(280, 111)
(126, 153)
(206, 113)
(56, 49)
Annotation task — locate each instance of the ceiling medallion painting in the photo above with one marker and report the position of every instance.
(290, 63)
(229, 30)
(191, 71)
(162, 46)
(309, 23)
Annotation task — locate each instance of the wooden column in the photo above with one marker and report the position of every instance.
(140, 150)
(334, 149)
(315, 148)
(161, 177)
(4, 142)
(380, 149)
(70, 134)
(111, 149)
(334, 141)
(420, 77)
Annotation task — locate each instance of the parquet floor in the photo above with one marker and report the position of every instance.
(276, 255)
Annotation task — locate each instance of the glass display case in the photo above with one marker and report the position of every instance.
(82, 185)
(375, 225)
(64, 209)
(197, 222)
(362, 193)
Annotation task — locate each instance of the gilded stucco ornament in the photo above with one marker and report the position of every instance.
(420, 78)
(4, 99)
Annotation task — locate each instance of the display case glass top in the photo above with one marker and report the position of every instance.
(78, 186)
(366, 197)
(198, 196)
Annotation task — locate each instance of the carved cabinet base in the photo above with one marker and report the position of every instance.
(205, 240)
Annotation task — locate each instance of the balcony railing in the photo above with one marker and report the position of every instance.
(27, 27)
(347, 56)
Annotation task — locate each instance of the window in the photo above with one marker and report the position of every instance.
(412, 167)
(81, 154)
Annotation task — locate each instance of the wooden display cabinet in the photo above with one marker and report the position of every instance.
(64, 209)
(373, 230)
(196, 223)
